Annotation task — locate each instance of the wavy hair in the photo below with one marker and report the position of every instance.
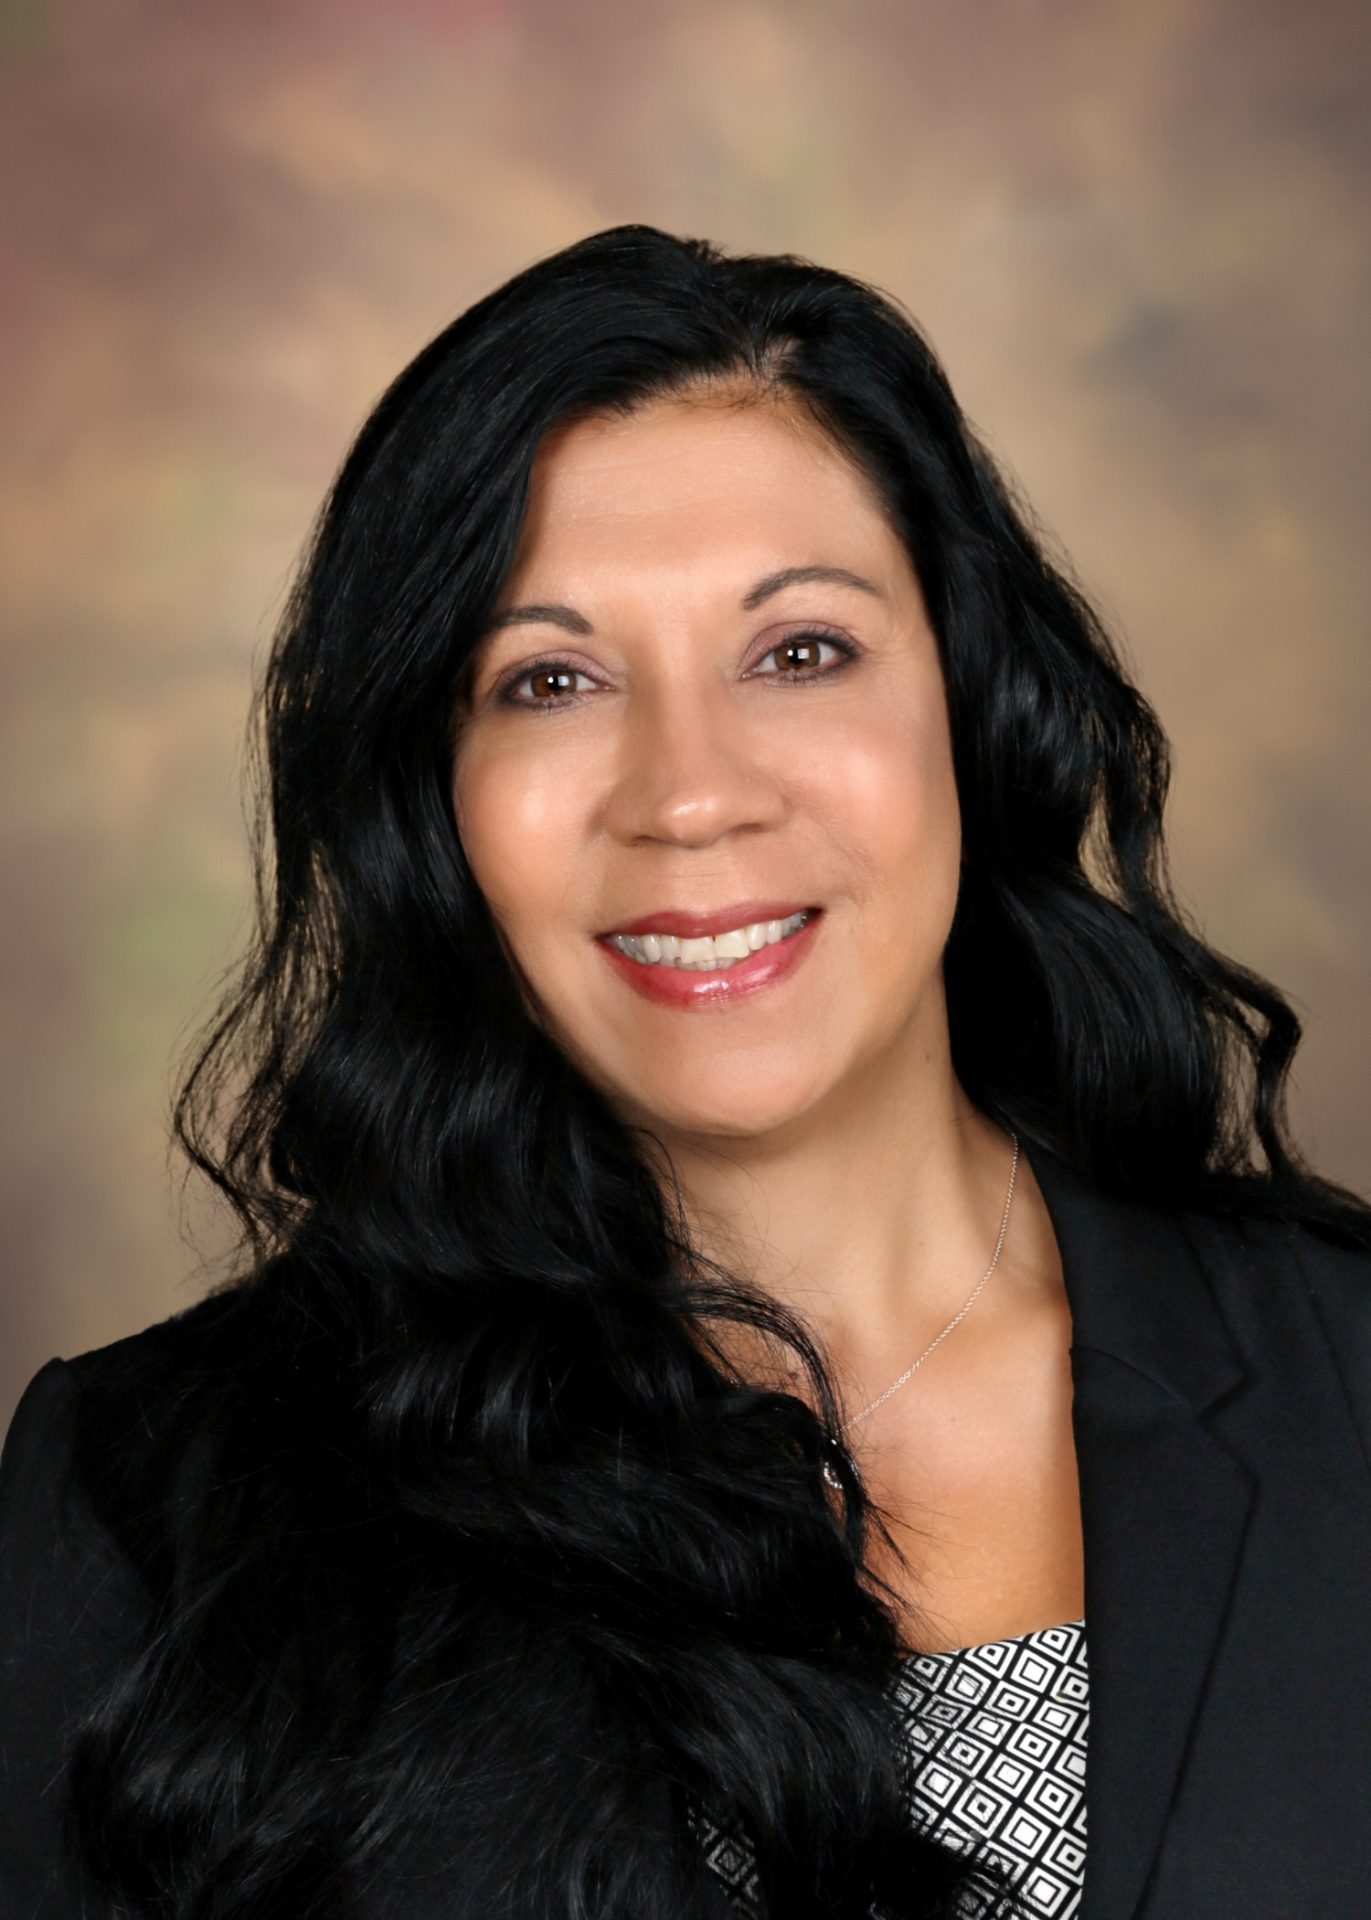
(471, 1554)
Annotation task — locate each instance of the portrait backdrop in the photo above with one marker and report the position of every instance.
(1137, 236)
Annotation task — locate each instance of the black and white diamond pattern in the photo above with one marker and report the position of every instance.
(998, 1741)
(997, 1744)
(731, 1859)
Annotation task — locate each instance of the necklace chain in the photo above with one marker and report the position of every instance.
(955, 1321)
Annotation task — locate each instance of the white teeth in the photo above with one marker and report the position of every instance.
(705, 954)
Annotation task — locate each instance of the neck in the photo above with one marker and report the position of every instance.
(874, 1213)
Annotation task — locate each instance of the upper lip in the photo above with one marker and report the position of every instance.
(695, 925)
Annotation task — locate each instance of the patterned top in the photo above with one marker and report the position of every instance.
(997, 1739)
(998, 1735)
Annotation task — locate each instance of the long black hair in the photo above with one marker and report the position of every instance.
(469, 1552)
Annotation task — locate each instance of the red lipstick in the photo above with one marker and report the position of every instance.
(720, 987)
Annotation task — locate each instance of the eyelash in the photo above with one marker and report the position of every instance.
(504, 692)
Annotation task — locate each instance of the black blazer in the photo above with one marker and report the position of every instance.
(1222, 1418)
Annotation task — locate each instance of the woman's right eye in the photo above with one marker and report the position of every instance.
(541, 671)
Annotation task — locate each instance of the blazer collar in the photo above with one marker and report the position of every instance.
(1136, 1285)
(1164, 1505)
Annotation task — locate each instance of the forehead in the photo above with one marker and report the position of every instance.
(681, 482)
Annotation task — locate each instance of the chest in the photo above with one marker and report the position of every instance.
(976, 1477)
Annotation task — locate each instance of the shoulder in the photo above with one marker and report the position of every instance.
(1281, 1257)
(1337, 1284)
(1336, 1278)
(87, 1476)
(1273, 1257)
(75, 1600)
(1299, 1299)
(94, 1436)
(88, 1462)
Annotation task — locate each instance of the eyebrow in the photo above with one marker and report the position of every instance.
(554, 615)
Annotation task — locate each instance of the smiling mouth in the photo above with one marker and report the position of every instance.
(708, 953)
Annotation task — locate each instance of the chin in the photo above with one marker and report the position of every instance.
(731, 1106)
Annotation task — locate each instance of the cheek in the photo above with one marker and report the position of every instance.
(891, 784)
(516, 829)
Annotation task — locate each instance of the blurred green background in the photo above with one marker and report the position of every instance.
(1137, 235)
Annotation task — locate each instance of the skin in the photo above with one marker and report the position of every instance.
(819, 1133)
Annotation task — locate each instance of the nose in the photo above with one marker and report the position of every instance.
(691, 769)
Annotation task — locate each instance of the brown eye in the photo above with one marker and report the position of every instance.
(551, 680)
(800, 654)
(543, 678)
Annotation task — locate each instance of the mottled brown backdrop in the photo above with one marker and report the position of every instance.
(1136, 232)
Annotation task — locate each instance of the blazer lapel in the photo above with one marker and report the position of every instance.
(1164, 1506)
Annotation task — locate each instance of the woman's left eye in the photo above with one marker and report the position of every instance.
(806, 646)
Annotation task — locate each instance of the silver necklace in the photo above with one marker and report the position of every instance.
(956, 1319)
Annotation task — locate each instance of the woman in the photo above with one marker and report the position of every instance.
(716, 957)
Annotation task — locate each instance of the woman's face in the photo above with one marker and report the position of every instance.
(663, 726)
